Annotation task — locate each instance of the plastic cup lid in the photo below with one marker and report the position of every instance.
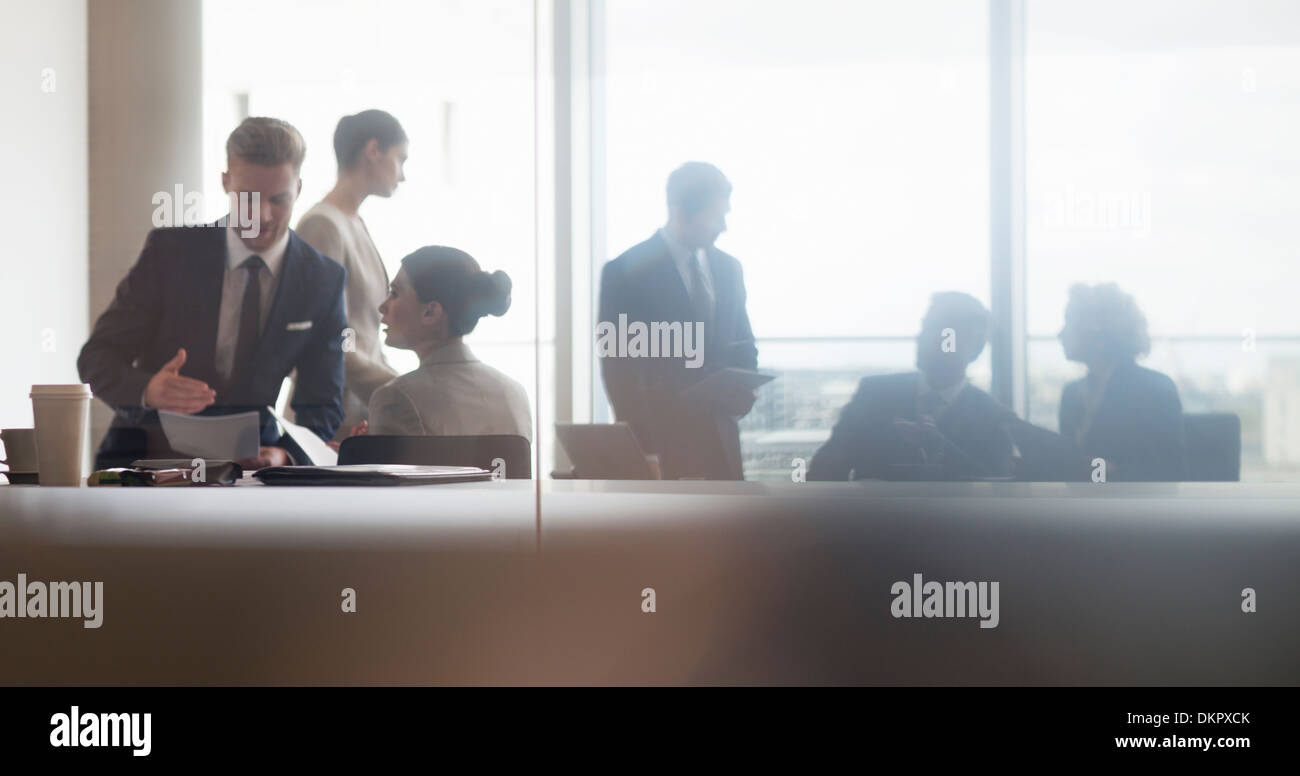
(72, 391)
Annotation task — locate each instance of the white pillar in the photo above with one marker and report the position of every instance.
(146, 130)
(43, 155)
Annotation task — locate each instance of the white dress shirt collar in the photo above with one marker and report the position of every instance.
(237, 251)
(680, 253)
(683, 257)
(949, 394)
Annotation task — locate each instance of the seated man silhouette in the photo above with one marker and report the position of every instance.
(929, 424)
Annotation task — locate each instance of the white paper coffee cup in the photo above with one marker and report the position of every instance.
(62, 415)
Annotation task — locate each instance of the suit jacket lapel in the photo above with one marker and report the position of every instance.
(205, 288)
(288, 290)
(953, 420)
(666, 284)
(724, 298)
(906, 408)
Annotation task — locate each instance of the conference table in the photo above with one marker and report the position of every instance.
(661, 582)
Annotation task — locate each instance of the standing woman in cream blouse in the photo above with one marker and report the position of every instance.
(371, 148)
(437, 298)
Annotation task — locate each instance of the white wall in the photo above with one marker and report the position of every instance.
(43, 155)
(146, 127)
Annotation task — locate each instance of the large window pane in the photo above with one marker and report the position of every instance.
(856, 136)
(1161, 156)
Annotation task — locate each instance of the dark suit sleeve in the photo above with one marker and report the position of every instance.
(625, 378)
(122, 332)
(743, 352)
(989, 455)
(318, 399)
(845, 449)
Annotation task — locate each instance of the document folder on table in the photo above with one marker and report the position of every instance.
(370, 474)
(717, 385)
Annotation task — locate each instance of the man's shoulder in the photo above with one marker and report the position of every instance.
(717, 255)
(983, 404)
(189, 237)
(874, 389)
(979, 395)
(649, 249)
(889, 382)
(171, 252)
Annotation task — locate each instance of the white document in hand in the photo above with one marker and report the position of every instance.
(222, 437)
(320, 453)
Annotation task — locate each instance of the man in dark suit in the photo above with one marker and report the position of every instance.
(929, 424)
(679, 277)
(211, 319)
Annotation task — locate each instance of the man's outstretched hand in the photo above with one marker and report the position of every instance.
(167, 390)
(923, 436)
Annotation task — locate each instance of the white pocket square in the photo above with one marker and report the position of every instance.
(298, 326)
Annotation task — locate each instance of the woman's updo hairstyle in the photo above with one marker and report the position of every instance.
(453, 279)
(353, 132)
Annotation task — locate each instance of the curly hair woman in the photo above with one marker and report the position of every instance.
(1127, 415)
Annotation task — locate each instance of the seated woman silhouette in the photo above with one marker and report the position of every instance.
(437, 298)
(1128, 416)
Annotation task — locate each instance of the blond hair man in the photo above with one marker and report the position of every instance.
(212, 318)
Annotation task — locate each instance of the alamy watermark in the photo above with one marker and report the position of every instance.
(1098, 211)
(88, 729)
(182, 208)
(53, 599)
(946, 599)
(656, 339)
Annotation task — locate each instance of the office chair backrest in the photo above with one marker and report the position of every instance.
(482, 451)
(1213, 447)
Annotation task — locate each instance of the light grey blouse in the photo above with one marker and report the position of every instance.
(451, 394)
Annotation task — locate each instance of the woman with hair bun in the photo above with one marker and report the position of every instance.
(1127, 415)
(437, 298)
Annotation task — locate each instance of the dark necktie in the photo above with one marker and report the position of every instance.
(250, 316)
(701, 304)
(928, 406)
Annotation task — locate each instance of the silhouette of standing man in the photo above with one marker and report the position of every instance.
(678, 276)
